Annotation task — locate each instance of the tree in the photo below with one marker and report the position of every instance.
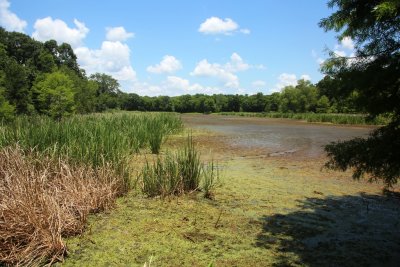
(55, 95)
(272, 102)
(107, 84)
(15, 83)
(374, 74)
(107, 91)
(7, 110)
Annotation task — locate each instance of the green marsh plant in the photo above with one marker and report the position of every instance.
(179, 173)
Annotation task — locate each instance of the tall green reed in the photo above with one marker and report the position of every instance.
(93, 139)
(179, 173)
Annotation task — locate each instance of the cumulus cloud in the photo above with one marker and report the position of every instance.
(115, 34)
(173, 86)
(215, 25)
(9, 20)
(345, 48)
(47, 29)
(259, 84)
(236, 64)
(168, 64)
(287, 79)
(305, 77)
(112, 58)
(206, 69)
(347, 43)
(224, 73)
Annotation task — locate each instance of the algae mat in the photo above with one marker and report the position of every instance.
(271, 210)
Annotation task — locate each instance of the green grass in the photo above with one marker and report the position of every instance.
(353, 119)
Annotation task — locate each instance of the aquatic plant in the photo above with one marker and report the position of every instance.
(179, 173)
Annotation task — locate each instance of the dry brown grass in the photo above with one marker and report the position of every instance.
(44, 199)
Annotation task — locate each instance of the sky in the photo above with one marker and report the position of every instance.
(175, 47)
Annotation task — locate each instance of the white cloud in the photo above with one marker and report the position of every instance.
(224, 73)
(347, 43)
(112, 58)
(118, 34)
(345, 48)
(9, 20)
(215, 25)
(340, 53)
(236, 64)
(205, 69)
(287, 79)
(47, 29)
(258, 84)
(168, 64)
(177, 83)
(173, 86)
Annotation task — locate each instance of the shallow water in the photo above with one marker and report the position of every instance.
(276, 137)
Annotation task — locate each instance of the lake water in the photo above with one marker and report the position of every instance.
(276, 136)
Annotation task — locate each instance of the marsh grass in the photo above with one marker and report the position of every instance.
(179, 173)
(92, 139)
(211, 179)
(43, 199)
(354, 119)
(54, 173)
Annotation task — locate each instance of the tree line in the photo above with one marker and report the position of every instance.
(45, 78)
(304, 97)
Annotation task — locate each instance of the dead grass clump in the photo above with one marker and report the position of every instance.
(43, 199)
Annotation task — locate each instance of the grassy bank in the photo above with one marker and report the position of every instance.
(353, 119)
(54, 173)
(269, 212)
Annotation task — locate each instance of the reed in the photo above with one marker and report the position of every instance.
(54, 173)
(43, 199)
(179, 173)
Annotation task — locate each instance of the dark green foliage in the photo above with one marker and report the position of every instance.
(28, 71)
(372, 79)
(378, 155)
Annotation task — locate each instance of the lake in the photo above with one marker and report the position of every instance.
(275, 137)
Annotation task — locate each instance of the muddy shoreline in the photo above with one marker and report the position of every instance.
(274, 137)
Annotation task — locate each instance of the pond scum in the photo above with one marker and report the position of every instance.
(54, 173)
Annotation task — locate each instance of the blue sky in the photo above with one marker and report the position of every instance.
(174, 47)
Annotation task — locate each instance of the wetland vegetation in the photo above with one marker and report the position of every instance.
(134, 185)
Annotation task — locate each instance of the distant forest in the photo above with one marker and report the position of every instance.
(45, 78)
